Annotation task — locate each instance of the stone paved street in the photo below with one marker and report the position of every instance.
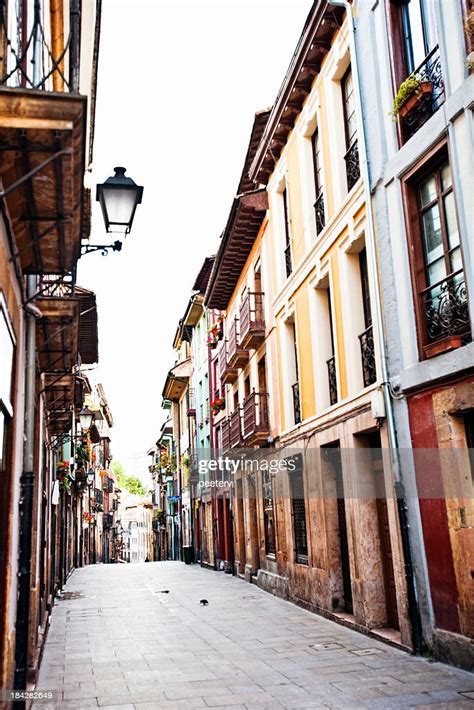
(117, 641)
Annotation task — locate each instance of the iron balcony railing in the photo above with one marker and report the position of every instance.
(367, 351)
(296, 402)
(430, 98)
(110, 485)
(446, 308)
(352, 165)
(288, 260)
(252, 322)
(255, 414)
(99, 496)
(320, 213)
(34, 56)
(332, 379)
(235, 428)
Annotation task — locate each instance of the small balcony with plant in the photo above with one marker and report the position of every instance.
(420, 95)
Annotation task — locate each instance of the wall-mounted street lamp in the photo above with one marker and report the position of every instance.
(119, 197)
(90, 477)
(85, 418)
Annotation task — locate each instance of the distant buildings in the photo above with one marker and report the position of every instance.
(136, 528)
(339, 339)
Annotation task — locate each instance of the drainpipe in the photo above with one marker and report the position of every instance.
(413, 608)
(26, 504)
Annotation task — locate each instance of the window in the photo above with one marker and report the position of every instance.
(350, 126)
(286, 215)
(7, 350)
(366, 338)
(299, 511)
(441, 296)
(414, 50)
(418, 31)
(318, 184)
(331, 363)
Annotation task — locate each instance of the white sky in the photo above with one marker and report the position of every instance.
(179, 83)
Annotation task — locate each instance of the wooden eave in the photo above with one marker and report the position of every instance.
(202, 279)
(315, 42)
(46, 211)
(243, 226)
(260, 121)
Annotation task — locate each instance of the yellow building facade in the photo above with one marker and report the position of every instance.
(335, 516)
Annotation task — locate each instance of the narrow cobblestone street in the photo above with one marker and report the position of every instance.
(118, 640)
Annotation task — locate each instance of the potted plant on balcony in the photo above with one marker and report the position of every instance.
(62, 469)
(218, 405)
(214, 334)
(410, 93)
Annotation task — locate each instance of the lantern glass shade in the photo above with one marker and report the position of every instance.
(118, 197)
(90, 476)
(85, 418)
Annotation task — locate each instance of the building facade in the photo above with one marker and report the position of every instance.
(48, 325)
(421, 179)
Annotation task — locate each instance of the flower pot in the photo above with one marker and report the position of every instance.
(451, 342)
(424, 89)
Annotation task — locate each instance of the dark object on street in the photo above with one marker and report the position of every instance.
(188, 554)
(164, 591)
(203, 602)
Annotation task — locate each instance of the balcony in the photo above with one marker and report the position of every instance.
(190, 403)
(225, 435)
(256, 425)
(421, 106)
(295, 389)
(332, 379)
(99, 496)
(367, 351)
(43, 133)
(237, 356)
(320, 213)
(235, 426)
(352, 165)
(446, 314)
(288, 261)
(227, 374)
(252, 322)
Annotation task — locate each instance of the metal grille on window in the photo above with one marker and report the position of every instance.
(298, 509)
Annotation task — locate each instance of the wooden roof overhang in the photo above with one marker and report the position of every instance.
(243, 225)
(46, 210)
(315, 42)
(202, 279)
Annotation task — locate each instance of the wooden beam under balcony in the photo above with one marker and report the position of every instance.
(45, 210)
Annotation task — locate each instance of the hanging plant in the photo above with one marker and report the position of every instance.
(214, 334)
(88, 518)
(218, 404)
